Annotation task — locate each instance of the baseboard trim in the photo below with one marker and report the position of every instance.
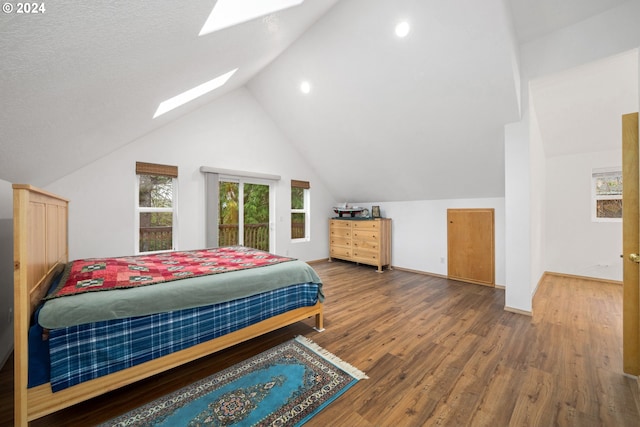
(424, 273)
(318, 261)
(635, 391)
(518, 311)
(574, 276)
(444, 276)
(638, 394)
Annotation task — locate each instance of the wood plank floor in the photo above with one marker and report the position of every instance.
(438, 352)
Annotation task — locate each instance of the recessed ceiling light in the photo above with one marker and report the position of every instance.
(305, 87)
(227, 13)
(402, 29)
(192, 94)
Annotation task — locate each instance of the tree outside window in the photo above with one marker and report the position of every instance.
(156, 202)
(300, 210)
(607, 195)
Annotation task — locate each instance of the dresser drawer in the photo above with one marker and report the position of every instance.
(366, 235)
(366, 257)
(341, 232)
(340, 241)
(340, 252)
(366, 225)
(336, 223)
(366, 245)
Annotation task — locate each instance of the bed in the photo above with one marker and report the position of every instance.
(41, 254)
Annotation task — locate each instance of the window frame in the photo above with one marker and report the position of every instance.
(241, 181)
(150, 169)
(595, 174)
(306, 210)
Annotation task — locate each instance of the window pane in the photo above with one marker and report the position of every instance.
(228, 214)
(609, 208)
(608, 183)
(156, 231)
(297, 198)
(156, 191)
(297, 226)
(256, 216)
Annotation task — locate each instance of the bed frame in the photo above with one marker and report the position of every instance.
(40, 224)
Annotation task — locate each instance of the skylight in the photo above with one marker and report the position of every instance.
(192, 94)
(227, 13)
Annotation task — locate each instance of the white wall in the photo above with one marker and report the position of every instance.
(518, 259)
(419, 232)
(538, 201)
(6, 270)
(610, 33)
(575, 244)
(233, 132)
(601, 36)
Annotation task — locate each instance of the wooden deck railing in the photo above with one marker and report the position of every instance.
(255, 236)
(156, 239)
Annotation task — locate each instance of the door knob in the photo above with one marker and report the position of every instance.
(634, 257)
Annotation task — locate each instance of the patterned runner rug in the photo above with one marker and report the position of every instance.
(284, 386)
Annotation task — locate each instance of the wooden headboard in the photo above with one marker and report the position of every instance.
(40, 250)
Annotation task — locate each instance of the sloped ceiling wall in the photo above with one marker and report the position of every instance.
(416, 118)
(85, 78)
(387, 118)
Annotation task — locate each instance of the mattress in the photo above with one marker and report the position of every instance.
(98, 333)
(176, 295)
(84, 352)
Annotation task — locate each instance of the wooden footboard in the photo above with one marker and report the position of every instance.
(41, 401)
(40, 250)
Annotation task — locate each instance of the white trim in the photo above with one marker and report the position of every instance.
(595, 173)
(241, 181)
(138, 210)
(237, 173)
(306, 210)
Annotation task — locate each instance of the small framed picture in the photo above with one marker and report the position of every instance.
(375, 211)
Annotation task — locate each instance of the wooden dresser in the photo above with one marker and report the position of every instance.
(365, 241)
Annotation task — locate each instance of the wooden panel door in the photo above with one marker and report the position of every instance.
(470, 245)
(630, 245)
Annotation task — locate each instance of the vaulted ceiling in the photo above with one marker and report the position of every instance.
(387, 118)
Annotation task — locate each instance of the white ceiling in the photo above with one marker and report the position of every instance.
(537, 18)
(391, 119)
(85, 78)
(399, 119)
(579, 109)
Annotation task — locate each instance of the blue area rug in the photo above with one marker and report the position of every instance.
(284, 386)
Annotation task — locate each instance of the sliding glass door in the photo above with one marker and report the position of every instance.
(244, 213)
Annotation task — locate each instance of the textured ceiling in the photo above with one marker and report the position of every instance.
(85, 78)
(387, 119)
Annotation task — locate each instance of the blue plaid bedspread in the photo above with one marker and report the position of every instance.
(84, 352)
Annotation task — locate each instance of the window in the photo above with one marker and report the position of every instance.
(606, 188)
(300, 201)
(155, 207)
(245, 212)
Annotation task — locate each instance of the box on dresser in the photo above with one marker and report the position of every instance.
(365, 241)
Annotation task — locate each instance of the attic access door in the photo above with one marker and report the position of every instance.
(470, 245)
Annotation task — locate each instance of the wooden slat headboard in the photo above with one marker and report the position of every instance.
(40, 250)
(40, 239)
